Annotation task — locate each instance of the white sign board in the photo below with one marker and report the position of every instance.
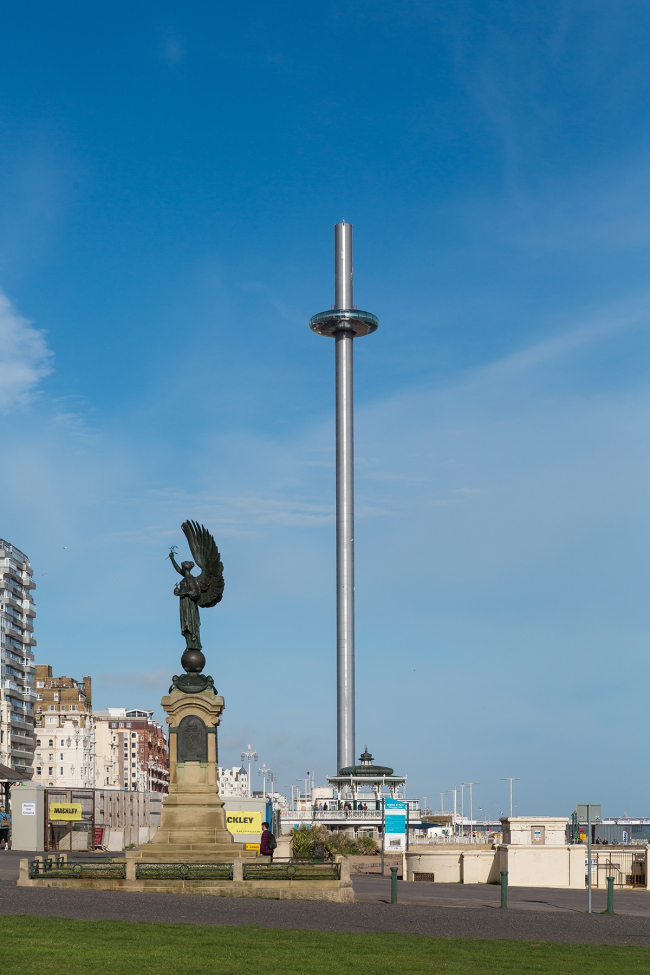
(29, 809)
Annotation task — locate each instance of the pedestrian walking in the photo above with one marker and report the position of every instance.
(268, 842)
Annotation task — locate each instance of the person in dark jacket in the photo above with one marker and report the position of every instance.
(268, 842)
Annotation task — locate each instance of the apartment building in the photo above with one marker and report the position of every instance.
(17, 694)
(133, 746)
(65, 736)
(233, 781)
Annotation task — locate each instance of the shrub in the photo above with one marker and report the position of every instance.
(337, 843)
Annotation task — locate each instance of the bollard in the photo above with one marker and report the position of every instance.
(610, 895)
(393, 885)
(504, 888)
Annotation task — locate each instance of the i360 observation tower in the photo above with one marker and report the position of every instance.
(344, 322)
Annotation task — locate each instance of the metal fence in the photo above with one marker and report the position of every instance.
(627, 867)
(292, 871)
(58, 868)
(183, 871)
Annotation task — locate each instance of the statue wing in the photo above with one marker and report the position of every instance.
(206, 555)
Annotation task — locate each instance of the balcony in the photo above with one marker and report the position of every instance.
(21, 723)
(20, 738)
(9, 572)
(340, 815)
(21, 753)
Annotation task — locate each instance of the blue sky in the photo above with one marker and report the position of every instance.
(170, 176)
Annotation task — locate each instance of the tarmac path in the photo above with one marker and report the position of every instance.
(447, 910)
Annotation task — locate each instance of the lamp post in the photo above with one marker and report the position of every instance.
(471, 811)
(249, 753)
(263, 771)
(442, 804)
(512, 779)
(462, 808)
(344, 322)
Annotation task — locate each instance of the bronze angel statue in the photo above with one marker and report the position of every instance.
(204, 590)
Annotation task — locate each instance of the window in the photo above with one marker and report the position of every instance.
(73, 707)
(51, 707)
(62, 743)
(50, 743)
(50, 771)
(61, 771)
(121, 724)
(40, 683)
(38, 757)
(38, 743)
(38, 710)
(63, 707)
(51, 757)
(61, 757)
(56, 697)
(133, 765)
(39, 697)
(38, 770)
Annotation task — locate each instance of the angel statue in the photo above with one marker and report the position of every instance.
(204, 590)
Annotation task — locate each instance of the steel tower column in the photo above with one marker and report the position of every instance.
(343, 323)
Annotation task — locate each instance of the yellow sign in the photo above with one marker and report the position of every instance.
(252, 846)
(70, 811)
(244, 822)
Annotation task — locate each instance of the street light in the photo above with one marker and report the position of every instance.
(512, 779)
(442, 804)
(455, 789)
(263, 771)
(471, 811)
(249, 753)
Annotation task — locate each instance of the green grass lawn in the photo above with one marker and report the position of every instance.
(53, 946)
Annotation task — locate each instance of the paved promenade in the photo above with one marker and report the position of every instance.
(434, 910)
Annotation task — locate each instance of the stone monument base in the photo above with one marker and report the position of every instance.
(193, 821)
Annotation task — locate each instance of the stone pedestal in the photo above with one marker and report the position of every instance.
(193, 821)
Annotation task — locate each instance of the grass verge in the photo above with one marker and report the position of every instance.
(53, 946)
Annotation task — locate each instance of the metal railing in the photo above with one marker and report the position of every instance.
(57, 867)
(292, 871)
(627, 867)
(183, 871)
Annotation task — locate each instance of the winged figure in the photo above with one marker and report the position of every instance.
(204, 590)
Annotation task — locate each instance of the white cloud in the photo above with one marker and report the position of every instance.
(24, 357)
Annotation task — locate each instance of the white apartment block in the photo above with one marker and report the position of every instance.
(233, 781)
(17, 694)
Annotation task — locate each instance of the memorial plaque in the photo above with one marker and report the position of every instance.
(192, 740)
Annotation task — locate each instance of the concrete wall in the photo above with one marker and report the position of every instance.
(444, 864)
(543, 866)
(527, 866)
